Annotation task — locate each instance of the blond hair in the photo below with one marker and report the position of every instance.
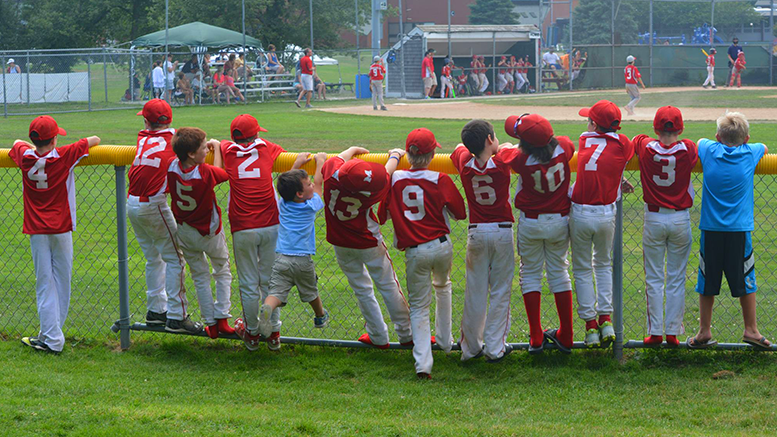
(733, 129)
(418, 159)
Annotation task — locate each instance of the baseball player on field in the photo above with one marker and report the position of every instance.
(419, 205)
(632, 77)
(191, 183)
(474, 73)
(482, 79)
(50, 219)
(151, 217)
(351, 188)
(601, 158)
(736, 75)
(377, 71)
(542, 164)
(483, 166)
(446, 81)
(299, 203)
(253, 219)
(509, 74)
(518, 73)
(665, 166)
(710, 70)
(501, 76)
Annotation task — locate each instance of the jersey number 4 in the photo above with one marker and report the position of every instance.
(38, 174)
(351, 208)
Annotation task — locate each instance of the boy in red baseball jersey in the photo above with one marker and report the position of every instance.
(483, 165)
(665, 166)
(351, 188)
(50, 219)
(446, 80)
(710, 70)
(739, 65)
(601, 158)
(419, 205)
(377, 71)
(151, 217)
(501, 76)
(542, 163)
(253, 219)
(632, 76)
(194, 206)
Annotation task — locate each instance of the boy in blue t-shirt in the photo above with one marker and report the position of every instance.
(300, 201)
(726, 222)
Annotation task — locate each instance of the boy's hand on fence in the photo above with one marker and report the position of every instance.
(626, 186)
(320, 157)
(400, 152)
(302, 159)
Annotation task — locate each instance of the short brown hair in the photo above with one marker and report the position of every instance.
(418, 159)
(475, 134)
(271, 47)
(187, 140)
(290, 183)
(733, 129)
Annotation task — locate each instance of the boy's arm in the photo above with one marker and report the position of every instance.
(350, 152)
(393, 160)
(507, 146)
(93, 141)
(302, 159)
(218, 157)
(641, 83)
(318, 178)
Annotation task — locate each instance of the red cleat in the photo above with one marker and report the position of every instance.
(274, 341)
(212, 331)
(423, 376)
(410, 343)
(671, 340)
(653, 341)
(365, 338)
(223, 326)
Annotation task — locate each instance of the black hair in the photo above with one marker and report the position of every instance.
(42, 143)
(236, 133)
(475, 134)
(290, 183)
(543, 154)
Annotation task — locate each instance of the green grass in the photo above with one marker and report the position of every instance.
(191, 385)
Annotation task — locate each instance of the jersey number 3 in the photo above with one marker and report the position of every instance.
(667, 169)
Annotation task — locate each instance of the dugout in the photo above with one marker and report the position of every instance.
(492, 42)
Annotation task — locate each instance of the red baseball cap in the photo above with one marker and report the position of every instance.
(532, 128)
(504, 58)
(45, 128)
(157, 111)
(245, 126)
(668, 119)
(357, 175)
(422, 138)
(604, 113)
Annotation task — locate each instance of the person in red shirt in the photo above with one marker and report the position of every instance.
(665, 166)
(473, 74)
(253, 219)
(351, 188)
(446, 80)
(483, 165)
(710, 70)
(220, 85)
(482, 75)
(501, 76)
(739, 65)
(50, 219)
(419, 204)
(151, 218)
(632, 76)
(191, 183)
(525, 73)
(509, 74)
(307, 69)
(377, 71)
(427, 74)
(519, 79)
(542, 164)
(601, 159)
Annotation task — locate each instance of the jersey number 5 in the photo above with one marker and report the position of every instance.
(190, 202)
(352, 206)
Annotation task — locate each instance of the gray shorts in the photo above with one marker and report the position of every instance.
(289, 271)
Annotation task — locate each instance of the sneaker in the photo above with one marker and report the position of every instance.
(374, 108)
(592, 338)
(308, 106)
(296, 102)
(607, 333)
(508, 349)
(265, 323)
(156, 319)
(714, 87)
(252, 342)
(423, 376)
(321, 322)
(274, 341)
(383, 108)
(38, 345)
(365, 338)
(185, 326)
(704, 86)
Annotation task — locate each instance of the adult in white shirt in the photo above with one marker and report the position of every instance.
(13, 68)
(169, 68)
(552, 61)
(158, 80)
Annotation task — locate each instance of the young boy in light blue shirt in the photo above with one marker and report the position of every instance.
(300, 200)
(726, 222)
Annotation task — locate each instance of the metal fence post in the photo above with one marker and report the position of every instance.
(121, 232)
(88, 80)
(105, 75)
(612, 42)
(651, 42)
(617, 282)
(27, 67)
(5, 91)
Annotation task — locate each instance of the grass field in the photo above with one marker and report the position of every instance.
(323, 391)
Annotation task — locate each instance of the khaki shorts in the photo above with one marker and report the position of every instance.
(289, 271)
(430, 81)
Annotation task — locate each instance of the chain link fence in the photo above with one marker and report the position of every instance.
(96, 279)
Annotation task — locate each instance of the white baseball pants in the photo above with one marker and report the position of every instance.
(501, 82)
(359, 265)
(446, 85)
(195, 247)
(633, 93)
(483, 82)
(376, 88)
(52, 258)
(490, 268)
(710, 76)
(475, 78)
(432, 259)
(592, 225)
(254, 251)
(519, 81)
(544, 241)
(155, 229)
(666, 233)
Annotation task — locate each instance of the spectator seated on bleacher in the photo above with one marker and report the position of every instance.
(319, 86)
(235, 90)
(219, 86)
(229, 67)
(184, 88)
(242, 68)
(273, 66)
(190, 66)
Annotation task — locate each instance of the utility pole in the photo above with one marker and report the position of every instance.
(377, 29)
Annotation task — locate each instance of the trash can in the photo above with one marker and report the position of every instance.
(363, 86)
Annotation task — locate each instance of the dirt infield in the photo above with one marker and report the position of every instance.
(469, 108)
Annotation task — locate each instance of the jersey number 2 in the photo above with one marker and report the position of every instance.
(253, 156)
